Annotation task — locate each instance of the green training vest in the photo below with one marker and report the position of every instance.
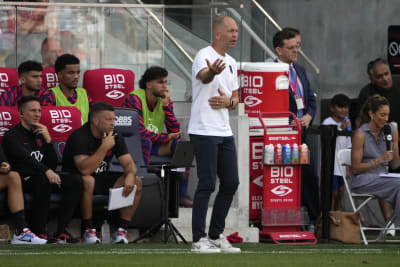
(82, 101)
(153, 121)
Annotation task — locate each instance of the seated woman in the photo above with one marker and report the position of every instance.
(369, 155)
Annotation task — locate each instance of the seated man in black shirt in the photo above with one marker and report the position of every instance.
(12, 181)
(30, 151)
(88, 152)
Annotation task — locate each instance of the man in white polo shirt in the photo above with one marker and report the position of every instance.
(215, 92)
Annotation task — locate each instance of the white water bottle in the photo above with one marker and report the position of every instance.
(105, 233)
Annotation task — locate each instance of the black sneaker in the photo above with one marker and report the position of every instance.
(66, 238)
(50, 240)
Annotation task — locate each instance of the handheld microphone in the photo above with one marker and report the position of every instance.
(387, 131)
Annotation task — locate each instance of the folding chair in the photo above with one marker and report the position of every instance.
(343, 156)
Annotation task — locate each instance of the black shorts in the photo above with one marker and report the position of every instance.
(104, 182)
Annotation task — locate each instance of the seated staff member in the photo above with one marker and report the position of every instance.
(30, 151)
(67, 93)
(30, 77)
(369, 155)
(155, 108)
(88, 152)
(12, 181)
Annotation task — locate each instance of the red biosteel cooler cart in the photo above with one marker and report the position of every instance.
(281, 205)
(264, 88)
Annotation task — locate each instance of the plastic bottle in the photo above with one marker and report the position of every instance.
(348, 127)
(105, 233)
(278, 154)
(287, 154)
(269, 154)
(304, 154)
(295, 154)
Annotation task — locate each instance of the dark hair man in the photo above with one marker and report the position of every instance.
(30, 150)
(88, 152)
(303, 104)
(30, 77)
(215, 92)
(381, 83)
(12, 181)
(155, 108)
(67, 92)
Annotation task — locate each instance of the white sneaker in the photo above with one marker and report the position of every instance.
(204, 246)
(26, 237)
(120, 237)
(90, 237)
(392, 230)
(224, 245)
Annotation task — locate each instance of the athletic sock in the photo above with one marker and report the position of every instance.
(87, 223)
(19, 220)
(124, 223)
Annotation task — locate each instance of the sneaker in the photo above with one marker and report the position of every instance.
(185, 201)
(204, 246)
(120, 236)
(27, 237)
(90, 237)
(392, 230)
(224, 245)
(66, 238)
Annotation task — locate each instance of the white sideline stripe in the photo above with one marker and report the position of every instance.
(187, 251)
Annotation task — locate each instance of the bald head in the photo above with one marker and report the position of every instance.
(225, 33)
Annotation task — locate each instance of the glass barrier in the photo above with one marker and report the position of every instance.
(103, 36)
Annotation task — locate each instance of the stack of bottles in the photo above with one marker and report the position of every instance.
(286, 154)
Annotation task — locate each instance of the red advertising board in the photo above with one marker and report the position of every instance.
(256, 179)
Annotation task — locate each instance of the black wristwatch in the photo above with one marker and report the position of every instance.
(231, 104)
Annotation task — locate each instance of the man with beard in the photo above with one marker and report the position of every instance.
(155, 108)
(30, 77)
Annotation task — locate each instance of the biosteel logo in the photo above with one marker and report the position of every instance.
(252, 101)
(281, 190)
(115, 94)
(62, 128)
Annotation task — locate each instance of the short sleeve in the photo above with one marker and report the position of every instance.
(199, 63)
(120, 147)
(78, 145)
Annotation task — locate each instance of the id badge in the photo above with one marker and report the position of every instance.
(299, 103)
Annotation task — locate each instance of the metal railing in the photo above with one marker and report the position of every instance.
(265, 13)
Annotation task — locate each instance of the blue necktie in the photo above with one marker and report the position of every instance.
(293, 80)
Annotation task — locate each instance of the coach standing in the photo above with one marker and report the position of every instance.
(215, 92)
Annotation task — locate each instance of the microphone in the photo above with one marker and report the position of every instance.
(387, 131)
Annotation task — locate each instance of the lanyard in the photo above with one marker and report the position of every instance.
(294, 87)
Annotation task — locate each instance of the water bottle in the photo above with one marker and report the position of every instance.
(287, 154)
(105, 233)
(269, 154)
(278, 154)
(304, 154)
(295, 154)
(348, 127)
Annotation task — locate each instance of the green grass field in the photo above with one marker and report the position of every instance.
(152, 254)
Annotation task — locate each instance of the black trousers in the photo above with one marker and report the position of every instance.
(310, 186)
(40, 189)
(214, 156)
